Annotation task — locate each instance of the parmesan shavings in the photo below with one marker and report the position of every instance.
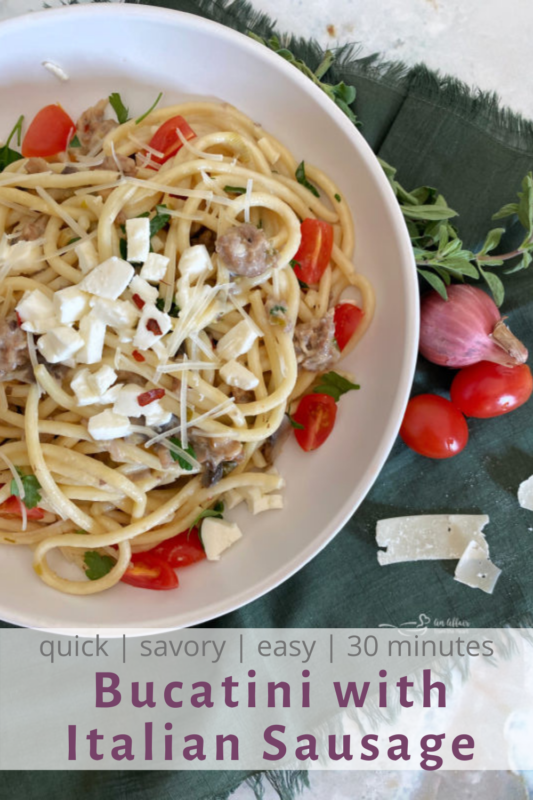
(69, 247)
(428, 537)
(60, 211)
(146, 146)
(115, 159)
(100, 187)
(476, 570)
(194, 150)
(183, 408)
(525, 494)
(172, 212)
(179, 190)
(56, 70)
(213, 413)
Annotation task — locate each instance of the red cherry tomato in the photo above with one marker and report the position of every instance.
(486, 390)
(148, 571)
(314, 253)
(347, 319)
(49, 133)
(166, 139)
(182, 550)
(317, 413)
(13, 506)
(434, 427)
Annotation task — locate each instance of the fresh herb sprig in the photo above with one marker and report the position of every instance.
(7, 154)
(177, 457)
(32, 487)
(97, 565)
(123, 113)
(342, 94)
(335, 385)
(217, 512)
(301, 177)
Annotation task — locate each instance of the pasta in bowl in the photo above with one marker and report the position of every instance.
(177, 292)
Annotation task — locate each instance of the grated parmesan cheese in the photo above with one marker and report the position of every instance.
(56, 70)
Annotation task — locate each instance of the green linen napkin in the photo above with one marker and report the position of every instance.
(436, 132)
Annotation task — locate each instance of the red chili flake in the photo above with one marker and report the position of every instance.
(153, 326)
(150, 396)
(138, 356)
(19, 319)
(139, 302)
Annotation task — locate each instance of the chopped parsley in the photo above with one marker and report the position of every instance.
(278, 310)
(295, 264)
(338, 198)
(75, 239)
(123, 113)
(160, 220)
(7, 155)
(217, 511)
(81, 533)
(123, 245)
(294, 423)
(154, 104)
(176, 456)
(335, 385)
(32, 495)
(97, 565)
(174, 308)
(260, 224)
(235, 189)
(302, 178)
(75, 141)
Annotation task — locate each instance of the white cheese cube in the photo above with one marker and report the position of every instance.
(109, 279)
(146, 292)
(22, 257)
(155, 267)
(70, 304)
(195, 261)
(138, 233)
(111, 396)
(108, 425)
(155, 319)
(104, 378)
(235, 374)
(59, 344)
(233, 498)
(115, 313)
(87, 256)
(236, 341)
(84, 389)
(127, 402)
(92, 332)
(155, 415)
(126, 335)
(36, 311)
(217, 536)
(258, 502)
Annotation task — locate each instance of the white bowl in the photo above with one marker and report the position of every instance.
(140, 51)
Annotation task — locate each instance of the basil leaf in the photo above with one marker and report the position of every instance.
(174, 308)
(7, 155)
(302, 179)
(154, 104)
(295, 264)
(335, 385)
(123, 113)
(217, 511)
(97, 565)
(176, 456)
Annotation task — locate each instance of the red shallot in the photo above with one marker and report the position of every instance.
(465, 329)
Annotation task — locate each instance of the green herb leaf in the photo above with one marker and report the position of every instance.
(295, 264)
(123, 113)
(278, 309)
(495, 285)
(436, 282)
(337, 197)
(434, 212)
(176, 456)
(154, 104)
(492, 240)
(75, 142)
(217, 511)
(75, 239)
(7, 155)
(507, 211)
(81, 533)
(301, 178)
(235, 189)
(160, 220)
(294, 423)
(335, 385)
(97, 565)
(32, 494)
(174, 308)
(123, 246)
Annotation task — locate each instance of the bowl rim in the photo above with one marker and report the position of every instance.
(407, 263)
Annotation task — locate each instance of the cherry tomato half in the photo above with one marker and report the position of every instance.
(49, 133)
(148, 571)
(317, 413)
(314, 253)
(166, 139)
(486, 390)
(13, 506)
(347, 319)
(182, 550)
(434, 427)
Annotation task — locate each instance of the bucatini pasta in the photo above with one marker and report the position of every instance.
(170, 289)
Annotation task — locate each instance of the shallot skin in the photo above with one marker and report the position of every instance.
(465, 329)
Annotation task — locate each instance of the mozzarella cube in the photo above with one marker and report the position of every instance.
(109, 279)
(104, 378)
(59, 344)
(217, 536)
(258, 502)
(195, 261)
(111, 396)
(155, 415)
(155, 267)
(70, 304)
(236, 341)
(235, 374)
(108, 425)
(84, 389)
(138, 233)
(127, 402)
(146, 292)
(92, 332)
(36, 311)
(154, 319)
(87, 256)
(115, 313)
